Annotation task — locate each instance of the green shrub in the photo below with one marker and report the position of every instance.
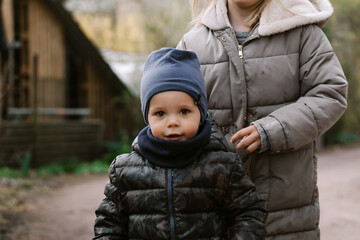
(9, 173)
(24, 162)
(93, 167)
(50, 169)
(345, 138)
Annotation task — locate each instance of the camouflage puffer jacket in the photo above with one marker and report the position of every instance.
(212, 198)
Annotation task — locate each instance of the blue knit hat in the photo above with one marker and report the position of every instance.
(170, 69)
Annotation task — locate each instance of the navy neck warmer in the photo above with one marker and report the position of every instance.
(173, 154)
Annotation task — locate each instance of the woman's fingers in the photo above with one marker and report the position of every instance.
(240, 134)
(250, 138)
(253, 146)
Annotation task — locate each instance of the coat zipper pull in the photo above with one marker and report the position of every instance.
(240, 51)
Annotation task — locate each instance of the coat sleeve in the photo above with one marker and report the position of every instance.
(245, 210)
(323, 89)
(111, 219)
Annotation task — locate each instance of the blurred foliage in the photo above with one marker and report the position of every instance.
(7, 172)
(23, 170)
(24, 162)
(136, 26)
(344, 33)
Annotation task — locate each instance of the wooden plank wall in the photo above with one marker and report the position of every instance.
(120, 111)
(102, 101)
(51, 141)
(8, 19)
(46, 39)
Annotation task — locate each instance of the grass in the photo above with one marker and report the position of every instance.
(74, 166)
(10, 173)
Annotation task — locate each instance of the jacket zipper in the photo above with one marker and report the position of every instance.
(240, 48)
(170, 202)
(241, 56)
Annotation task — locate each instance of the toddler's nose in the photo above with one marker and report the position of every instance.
(173, 121)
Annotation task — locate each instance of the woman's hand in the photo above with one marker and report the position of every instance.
(250, 139)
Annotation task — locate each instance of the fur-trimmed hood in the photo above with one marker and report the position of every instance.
(278, 16)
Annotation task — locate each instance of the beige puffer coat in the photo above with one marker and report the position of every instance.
(287, 78)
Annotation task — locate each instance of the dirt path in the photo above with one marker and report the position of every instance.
(68, 213)
(339, 186)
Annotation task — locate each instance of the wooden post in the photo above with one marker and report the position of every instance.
(11, 65)
(1, 95)
(35, 109)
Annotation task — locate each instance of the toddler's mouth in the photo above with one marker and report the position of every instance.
(174, 137)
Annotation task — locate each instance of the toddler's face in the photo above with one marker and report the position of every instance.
(173, 115)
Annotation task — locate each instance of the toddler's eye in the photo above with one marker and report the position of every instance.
(184, 111)
(160, 113)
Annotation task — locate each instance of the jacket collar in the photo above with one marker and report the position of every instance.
(278, 15)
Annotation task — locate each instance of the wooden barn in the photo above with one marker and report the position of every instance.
(59, 98)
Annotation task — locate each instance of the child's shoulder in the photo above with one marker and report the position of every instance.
(125, 161)
(128, 159)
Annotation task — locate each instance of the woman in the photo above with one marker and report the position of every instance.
(273, 85)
